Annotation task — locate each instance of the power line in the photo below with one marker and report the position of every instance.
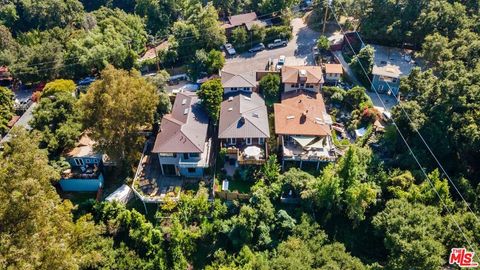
(422, 138)
(404, 140)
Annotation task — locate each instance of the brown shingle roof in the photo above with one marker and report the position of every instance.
(301, 113)
(333, 68)
(243, 116)
(240, 19)
(184, 130)
(291, 74)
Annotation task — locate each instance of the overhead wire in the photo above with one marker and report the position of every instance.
(404, 140)
(421, 136)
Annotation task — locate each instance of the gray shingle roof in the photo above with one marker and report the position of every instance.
(244, 116)
(185, 129)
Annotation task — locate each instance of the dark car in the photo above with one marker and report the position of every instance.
(257, 48)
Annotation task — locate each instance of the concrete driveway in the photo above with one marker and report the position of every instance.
(297, 52)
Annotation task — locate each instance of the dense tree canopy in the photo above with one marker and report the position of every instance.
(270, 87)
(6, 108)
(57, 118)
(116, 108)
(211, 94)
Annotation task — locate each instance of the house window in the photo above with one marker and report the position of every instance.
(234, 88)
(309, 86)
(302, 85)
(185, 155)
(78, 162)
(246, 89)
(192, 170)
(88, 161)
(194, 155)
(248, 141)
(295, 85)
(261, 140)
(231, 141)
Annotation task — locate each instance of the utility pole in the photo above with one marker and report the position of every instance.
(326, 15)
(156, 54)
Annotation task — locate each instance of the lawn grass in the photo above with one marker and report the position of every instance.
(78, 197)
(240, 186)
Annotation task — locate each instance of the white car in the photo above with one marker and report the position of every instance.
(281, 62)
(229, 48)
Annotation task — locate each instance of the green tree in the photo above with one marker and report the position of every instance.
(159, 15)
(61, 85)
(257, 33)
(115, 108)
(270, 171)
(116, 39)
(211, 94)
(270, 86)
(215, 61)
(37, 227)
(413, 235)
(6, 108)
(323, 44)
(362, 64)
(239, 37)
(57, 118)
(160, 81)
(198, 65)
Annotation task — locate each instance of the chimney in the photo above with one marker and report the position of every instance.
(302, 75)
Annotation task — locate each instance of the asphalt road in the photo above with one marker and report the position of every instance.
(297, 52)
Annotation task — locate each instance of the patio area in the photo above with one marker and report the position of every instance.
(154, 186)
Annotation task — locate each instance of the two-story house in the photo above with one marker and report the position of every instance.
(86, 165)
(308, 78)
(303, 127)
(243, 128)
(236, 83)
(182, 144)
(333, 73)
(390, 64)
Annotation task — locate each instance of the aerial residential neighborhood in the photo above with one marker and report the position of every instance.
(239, 134)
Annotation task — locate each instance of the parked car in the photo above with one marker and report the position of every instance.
(86, 81)
(229, 48)
(281, 62)
(257, 48)
(277, 43)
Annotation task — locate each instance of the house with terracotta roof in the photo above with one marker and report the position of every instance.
(309, 78)
(304, 128)
(243, 128)
(333, 73)
(237, 83)
(182, 144)
(86, 165)
(246, 20)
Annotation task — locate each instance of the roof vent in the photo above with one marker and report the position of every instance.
(290, 117)
(302, 73)
(230, 98)
(318, 120)
(230, 109)
(247, 98)
(184, 101)
(185, 111)
(255, 114)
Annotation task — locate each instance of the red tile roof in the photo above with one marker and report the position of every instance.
(301, 113)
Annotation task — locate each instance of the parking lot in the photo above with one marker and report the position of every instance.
(298, 51)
